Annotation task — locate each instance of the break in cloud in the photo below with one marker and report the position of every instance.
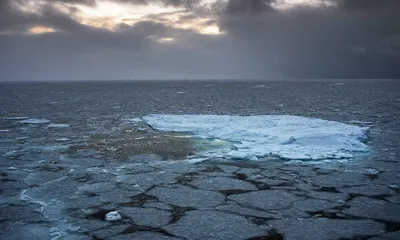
(207, 39)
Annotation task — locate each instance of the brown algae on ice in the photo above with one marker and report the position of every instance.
(125, 143)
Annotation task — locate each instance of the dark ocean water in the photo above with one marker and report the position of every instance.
(98, 116)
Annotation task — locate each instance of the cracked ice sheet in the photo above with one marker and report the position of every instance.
(283, 136)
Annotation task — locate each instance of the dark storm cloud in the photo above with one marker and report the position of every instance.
(351, 40)
(76, 51)
(13, 20)
(368, 4)
(355, 39)
(52, 17)
(9, 18)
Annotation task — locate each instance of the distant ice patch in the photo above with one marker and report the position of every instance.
(34, 121)
(63, 139)
(362, 123)
(58, 125)
(133, 120)
(338, 84)
(16, 118)
(4, 130)
(261, 86)
(254, 137)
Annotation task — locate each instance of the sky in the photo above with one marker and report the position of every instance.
(204, 39)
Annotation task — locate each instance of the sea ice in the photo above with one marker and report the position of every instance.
(49, 148)
(34, 121)
(57, 125)
(4, 130)
(260, 86)
(283, 136)
(62, 139)
(113, 216)
(16, 118)
(133, 120)
(362, 123)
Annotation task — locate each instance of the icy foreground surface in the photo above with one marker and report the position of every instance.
(283, 136)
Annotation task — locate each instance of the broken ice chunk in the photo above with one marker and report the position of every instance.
(113, 216)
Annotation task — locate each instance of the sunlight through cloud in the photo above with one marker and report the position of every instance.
(166, 40)
(110, 15)
(41, 30)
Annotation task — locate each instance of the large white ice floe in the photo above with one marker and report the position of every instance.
(283, 136)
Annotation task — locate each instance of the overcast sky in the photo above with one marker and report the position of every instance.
(206, 39)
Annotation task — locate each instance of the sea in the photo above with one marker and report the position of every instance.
(72, 133)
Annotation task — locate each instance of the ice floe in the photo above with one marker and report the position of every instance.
(58, 125)
(34, 121)
(63, 139)
(362, 123)
(254, 137)
(16, 118)
(338, 84)
(4, 130)
(54, 148)
(133, 120)
(261, 86)
(113, 216)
